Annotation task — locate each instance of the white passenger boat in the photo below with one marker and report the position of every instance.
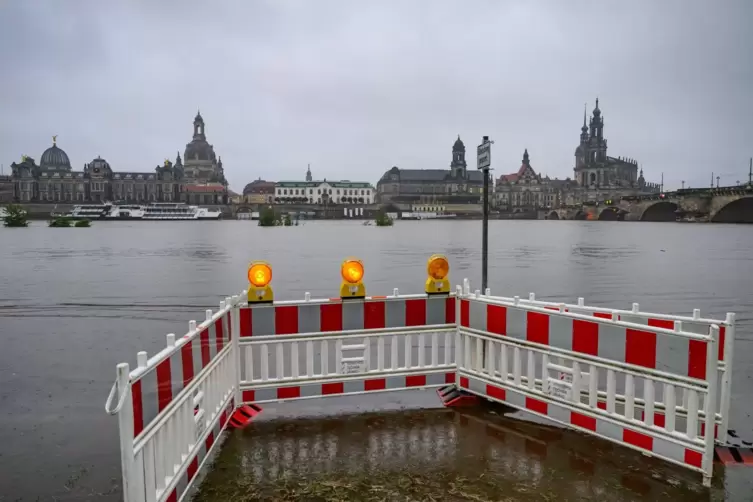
(156, 211)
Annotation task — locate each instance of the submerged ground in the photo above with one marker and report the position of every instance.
(435, 455)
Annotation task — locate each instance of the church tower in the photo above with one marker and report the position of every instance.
(198, 128)
(596, 151)
(458, 165)
(584, 129)
(308, 174)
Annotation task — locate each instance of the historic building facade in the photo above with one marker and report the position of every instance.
(324, 192)
(200, 181)
(259, 192)
(6, 189)
(597, 172)
(598, 177)
(526, 190)
(455, 185)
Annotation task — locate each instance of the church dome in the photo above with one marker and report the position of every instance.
(55, 157)
(458, 146)
(579, 151)
(199, 150)
(99, 165)
(259, 186)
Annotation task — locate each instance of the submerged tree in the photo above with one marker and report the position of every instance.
(267, 217)
(16, 216)
(383, 220)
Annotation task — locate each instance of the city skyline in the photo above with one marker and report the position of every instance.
(383, 85)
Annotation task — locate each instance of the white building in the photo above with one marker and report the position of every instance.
(324, 192)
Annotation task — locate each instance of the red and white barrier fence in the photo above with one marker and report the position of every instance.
(318, 348)
(173, 407)
(669, 354)
(509, 350)
(625, 376)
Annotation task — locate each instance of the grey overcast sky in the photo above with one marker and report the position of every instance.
(355, 87)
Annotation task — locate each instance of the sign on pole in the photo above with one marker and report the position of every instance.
(484, 155)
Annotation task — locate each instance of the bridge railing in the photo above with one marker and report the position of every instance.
(671, 357)
(509, 351)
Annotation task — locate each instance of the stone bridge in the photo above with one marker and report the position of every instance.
(724, 205)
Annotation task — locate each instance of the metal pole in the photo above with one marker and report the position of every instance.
(485, 234)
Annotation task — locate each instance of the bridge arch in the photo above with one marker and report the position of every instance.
(580, 215)
(612, 214)
(553, 216)
(737, 211)
(660, 211)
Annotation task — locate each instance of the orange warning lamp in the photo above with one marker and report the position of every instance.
(352, 274)
(437, 268)
(259, 277)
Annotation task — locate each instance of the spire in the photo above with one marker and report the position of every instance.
(597, 112)
(585, 127)
(525, 157)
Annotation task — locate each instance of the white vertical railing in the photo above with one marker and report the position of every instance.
(153, 463)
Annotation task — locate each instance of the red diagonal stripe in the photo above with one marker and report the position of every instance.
(186, 358)
(164, 384)
(218, 333)
(138, 410)
(205, 354)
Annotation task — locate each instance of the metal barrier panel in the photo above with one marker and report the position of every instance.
(173, 407)
(508, 351)
(692, 324)
(318, 348)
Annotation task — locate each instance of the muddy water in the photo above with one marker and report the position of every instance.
(437, 454)
(74, 303)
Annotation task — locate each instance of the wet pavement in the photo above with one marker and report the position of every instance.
(435, 454)
(74, 303)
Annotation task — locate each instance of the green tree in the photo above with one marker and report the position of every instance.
(267, 217)
(383, 220)
(16, 216)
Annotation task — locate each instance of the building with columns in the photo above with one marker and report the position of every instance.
(324, 192)
(200, 181)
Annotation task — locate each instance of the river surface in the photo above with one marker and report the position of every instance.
(74, 302)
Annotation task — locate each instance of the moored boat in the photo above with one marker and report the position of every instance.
(156, 211)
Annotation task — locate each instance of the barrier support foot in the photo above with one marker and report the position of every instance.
(452, 397)
(243, 415)
(733, 455)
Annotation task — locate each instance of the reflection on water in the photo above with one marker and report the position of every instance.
(435, 455)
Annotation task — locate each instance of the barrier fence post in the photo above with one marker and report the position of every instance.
(712, 376)
(458, 298)
(726, 387)
(125, 431)
(235, 334)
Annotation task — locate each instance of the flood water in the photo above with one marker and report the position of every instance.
(74, 302)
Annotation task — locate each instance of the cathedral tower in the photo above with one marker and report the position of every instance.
(458, 165)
